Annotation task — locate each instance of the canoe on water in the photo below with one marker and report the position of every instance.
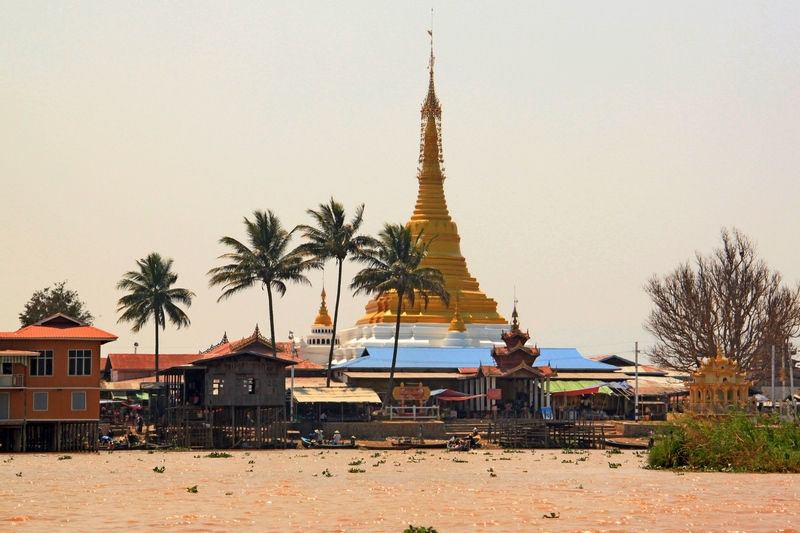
(308, 443)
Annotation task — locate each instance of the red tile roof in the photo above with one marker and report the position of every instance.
(55, 333)
(147, 361)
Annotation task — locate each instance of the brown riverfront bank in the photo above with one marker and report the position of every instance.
(287, 491)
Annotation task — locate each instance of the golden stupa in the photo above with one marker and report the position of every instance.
(432, 217)
(323, 319)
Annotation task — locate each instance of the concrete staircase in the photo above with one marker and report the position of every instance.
(463, 427)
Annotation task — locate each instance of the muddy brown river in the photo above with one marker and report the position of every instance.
(313, 491)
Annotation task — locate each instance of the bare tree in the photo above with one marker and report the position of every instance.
(730, 300)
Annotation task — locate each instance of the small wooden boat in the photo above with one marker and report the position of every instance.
(462, 446)
(308, 443)
(384, 447)
(630, 443)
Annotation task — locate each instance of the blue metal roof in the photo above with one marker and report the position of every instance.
(569, 359)
(380, 358)
(436, 358)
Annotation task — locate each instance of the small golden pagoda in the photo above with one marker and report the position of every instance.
(718, 386)
(432, 217)
(323, 318)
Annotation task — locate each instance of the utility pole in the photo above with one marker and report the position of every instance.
(772, 395)
(291, 386)
(636, 389)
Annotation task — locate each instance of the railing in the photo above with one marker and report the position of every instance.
(12, 380)
(414, 412)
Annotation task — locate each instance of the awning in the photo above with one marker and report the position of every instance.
(335, 395)
(447, 395)
(578, 388)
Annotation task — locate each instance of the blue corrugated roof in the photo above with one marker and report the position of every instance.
(380, 358)
(569, 359)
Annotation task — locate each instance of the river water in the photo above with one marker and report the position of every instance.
(287, 491)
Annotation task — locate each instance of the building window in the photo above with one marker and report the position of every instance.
(80, 363)
(40, 401)
(78, 401)
(6, 369)
(249, 385)
(217, 386)
(43, 364)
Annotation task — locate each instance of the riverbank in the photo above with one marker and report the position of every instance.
(312, 490)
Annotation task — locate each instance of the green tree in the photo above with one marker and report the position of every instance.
(152, 295)
(265, 261)
(392, 266)
(52, 300)
(333, 238)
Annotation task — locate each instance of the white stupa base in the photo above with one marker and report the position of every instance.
(355, 339)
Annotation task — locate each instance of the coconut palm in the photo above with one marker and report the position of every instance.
(152, 295)
(392, 266)
(264, 262)
(333, 238)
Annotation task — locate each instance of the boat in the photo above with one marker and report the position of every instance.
(308, 443)
(384, 447)
(404, 443)
(630, 443)
(459, 446)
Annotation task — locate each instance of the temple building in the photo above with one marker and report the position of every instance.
(473, 321)
(718, 386)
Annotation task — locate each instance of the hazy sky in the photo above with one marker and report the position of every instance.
(588, 146)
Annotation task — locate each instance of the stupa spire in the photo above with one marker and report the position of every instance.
(432, 218)
(323, 318)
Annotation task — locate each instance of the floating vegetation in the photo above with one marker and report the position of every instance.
(326, 473)
(192, 489)
(19, 475)
(251, 462)
(738, 442)
(552, 515)
(613, 451)
(512, 450)
(355, 463)
(218, 455)
(614, 465)
(159, 469)
(504, 459)
(414, 529)
(376, 454)
(457, 460)
(567, 461)
(355, 470)
(64, 457)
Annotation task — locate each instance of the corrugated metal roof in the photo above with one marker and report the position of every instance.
(404, 375)
(335, 395)
(569, 359)
(380, 358)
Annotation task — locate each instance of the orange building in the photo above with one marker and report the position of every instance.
(50, 386)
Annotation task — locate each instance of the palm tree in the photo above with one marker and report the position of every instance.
(264, 261)
(333, 238)
(393, 266)
(152, 295)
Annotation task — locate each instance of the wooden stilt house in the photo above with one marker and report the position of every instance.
(236, 400)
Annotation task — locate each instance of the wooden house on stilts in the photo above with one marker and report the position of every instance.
(234, 400)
